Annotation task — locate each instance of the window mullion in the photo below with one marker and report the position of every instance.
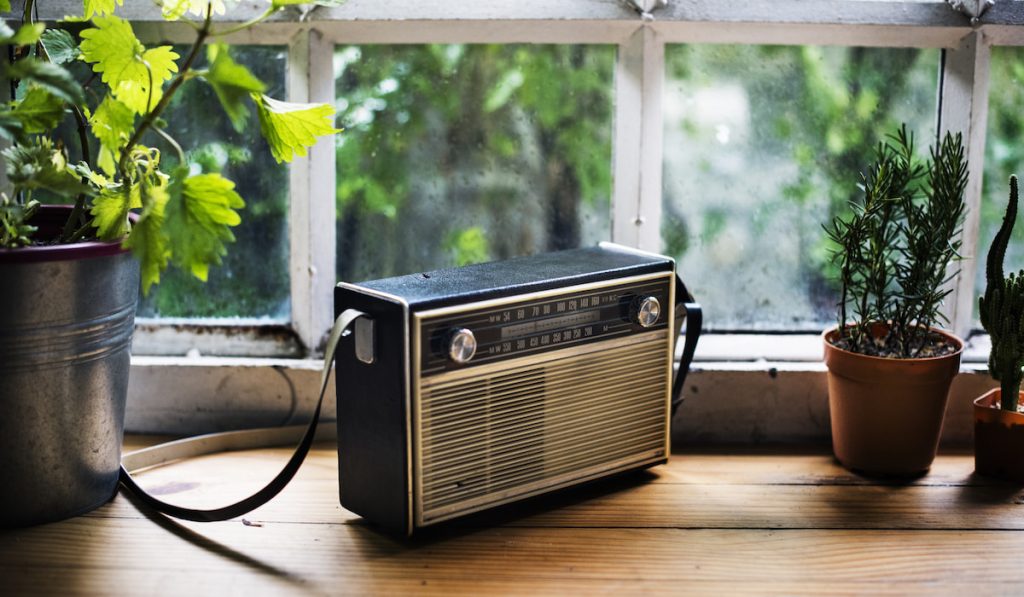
(311, 210)
(964, 109)
(637, 161)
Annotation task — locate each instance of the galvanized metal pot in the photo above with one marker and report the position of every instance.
(66, 318)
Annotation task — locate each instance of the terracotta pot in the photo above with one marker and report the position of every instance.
(887, 413)
(998, 439)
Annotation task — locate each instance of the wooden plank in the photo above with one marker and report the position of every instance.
(716, 491)
(88, 555)
(705, 523)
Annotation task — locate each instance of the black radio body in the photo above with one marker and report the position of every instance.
(468, 388)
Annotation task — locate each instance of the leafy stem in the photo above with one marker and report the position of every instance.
(895, 250)
(181, 77)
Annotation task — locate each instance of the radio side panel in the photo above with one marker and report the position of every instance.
(372, 399)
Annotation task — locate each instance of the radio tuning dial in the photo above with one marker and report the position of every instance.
(646, 311)
(461, 345)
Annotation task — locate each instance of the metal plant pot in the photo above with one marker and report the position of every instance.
(67, 314)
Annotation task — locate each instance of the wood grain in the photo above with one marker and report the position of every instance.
(781, 521)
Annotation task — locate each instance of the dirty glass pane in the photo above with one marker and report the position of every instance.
(762, 145)
(253, 280)
(455, 154)
(1004, 155)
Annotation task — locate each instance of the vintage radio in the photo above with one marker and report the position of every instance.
(468, 388)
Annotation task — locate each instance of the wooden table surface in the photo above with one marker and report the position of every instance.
(745, 520)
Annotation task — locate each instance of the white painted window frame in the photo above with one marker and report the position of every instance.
(637, 151)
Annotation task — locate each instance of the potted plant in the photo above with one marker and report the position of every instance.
(998, 422)
(889, 367)
(71, 273)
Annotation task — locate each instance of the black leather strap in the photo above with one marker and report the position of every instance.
(693, 317)
(282, 479)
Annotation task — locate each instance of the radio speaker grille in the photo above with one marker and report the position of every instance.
(528, 425)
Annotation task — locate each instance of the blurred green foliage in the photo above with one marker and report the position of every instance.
(812, 117)
(454, 154)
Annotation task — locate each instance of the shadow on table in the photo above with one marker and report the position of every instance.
(209, 545)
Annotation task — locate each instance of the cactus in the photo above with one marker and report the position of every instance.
(1002, 311)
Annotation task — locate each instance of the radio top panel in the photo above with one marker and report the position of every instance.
(484, 281)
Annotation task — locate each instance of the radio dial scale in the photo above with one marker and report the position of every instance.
(532, 327)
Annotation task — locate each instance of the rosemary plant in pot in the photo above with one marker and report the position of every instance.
(889, 367)
(998, 421)
(71, 273)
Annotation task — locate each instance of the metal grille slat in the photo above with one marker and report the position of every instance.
(532, 424)
(526, 431)
(467, 395)
(567, 464)
(454, 432)
(511, 460)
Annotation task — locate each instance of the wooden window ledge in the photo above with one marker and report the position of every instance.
(712, 521)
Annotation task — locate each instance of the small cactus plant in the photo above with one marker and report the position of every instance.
(1002, 311)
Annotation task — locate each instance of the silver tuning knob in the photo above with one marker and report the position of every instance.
(461, 345)
(646, 311)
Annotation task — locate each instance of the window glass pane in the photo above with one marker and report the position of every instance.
(1004, 155)
(253, 280)
(762, 145)
(454, 154)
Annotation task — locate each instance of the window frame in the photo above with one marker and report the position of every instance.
(637, 150)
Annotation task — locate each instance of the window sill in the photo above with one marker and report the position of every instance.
(744, 398)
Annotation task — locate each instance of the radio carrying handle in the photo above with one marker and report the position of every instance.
(693, 316)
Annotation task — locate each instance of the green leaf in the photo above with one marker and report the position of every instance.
(5, 5)
(15, 230)
(39, 165)
(99, 7)
(232, 82)
(135, 75)
(40, 111)
(200, 214)
(112, 123)
(148, 238)
(26, 35)
(51, 77)
(60, 46)
(110, 213)
(291, 128)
